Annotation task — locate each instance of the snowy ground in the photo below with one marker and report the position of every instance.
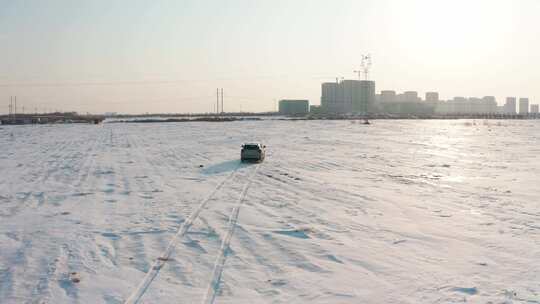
(394, 212)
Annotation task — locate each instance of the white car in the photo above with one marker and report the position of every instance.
(252, 152)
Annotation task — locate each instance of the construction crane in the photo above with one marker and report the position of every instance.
(365, 67)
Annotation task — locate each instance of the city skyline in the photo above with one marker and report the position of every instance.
(347, 96)
(169, 56)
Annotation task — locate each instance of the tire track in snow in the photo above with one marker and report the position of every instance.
(220, 260)
(90, 159)
(160, 261)
(188, 260)
(36, 158)
(143, 184)
(177, 267)
(63, 152)
(41, 268)
(68, 159)
(152, 181)
(69, 174)
(113, 247)
(9, 278)
(50, 271)
(22, 197)
(74, 159)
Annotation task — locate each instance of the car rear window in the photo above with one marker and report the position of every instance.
(251, 147)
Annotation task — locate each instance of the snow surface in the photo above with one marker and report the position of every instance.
(339, 212)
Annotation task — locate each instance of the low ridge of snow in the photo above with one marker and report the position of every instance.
(339, 212)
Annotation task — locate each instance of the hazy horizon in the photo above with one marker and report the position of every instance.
(170, 56)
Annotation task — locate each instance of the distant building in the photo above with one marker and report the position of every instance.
(489, 105)
(534, 109)
(388, 96)
(358, 95)
(293, 107)
(350, 92)
(315, 109)
(459, 105)
(348, 96)
(365, 103)
(408, 108)
(407, 103)
(472, 105)
(491, 99)
(432, 96)
(332, 98)
(329, 91)
(524, 106)
(409, 96)
(510, 105)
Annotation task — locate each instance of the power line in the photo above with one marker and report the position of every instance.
(314, 75)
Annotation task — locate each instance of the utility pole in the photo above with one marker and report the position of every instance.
(334, 102)
(222, 101)
(15, 114)
(217, 101)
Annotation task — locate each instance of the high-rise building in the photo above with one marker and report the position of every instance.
(410, 96)
(489, 105)
(534, 109)
(459, 105)
(366, 99)
(510, 105)
(350, 90)
(474, 105)
(348, 96)
(330, 99)
(388, 96)
(432, 96)
(524, 106)
(329, 93)
(471, 105)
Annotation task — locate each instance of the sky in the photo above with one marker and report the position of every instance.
(135, 56)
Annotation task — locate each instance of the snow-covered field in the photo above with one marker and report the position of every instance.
(394, 212)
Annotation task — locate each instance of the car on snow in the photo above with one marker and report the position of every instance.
(252, 152)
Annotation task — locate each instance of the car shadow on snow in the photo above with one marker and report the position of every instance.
(225, 166)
